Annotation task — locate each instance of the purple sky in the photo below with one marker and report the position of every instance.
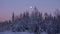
(8, 6)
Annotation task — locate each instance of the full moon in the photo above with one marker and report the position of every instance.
(30, 6)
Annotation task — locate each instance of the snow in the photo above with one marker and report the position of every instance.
(58, 33)
(43, 33)
(7, 32)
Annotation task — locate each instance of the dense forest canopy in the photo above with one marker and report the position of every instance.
(34, 22)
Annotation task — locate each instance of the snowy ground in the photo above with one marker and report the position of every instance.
(15, 33)
(20, 33)
(7, 32)
(43, 33)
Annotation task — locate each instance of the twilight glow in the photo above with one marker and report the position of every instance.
(8, 6)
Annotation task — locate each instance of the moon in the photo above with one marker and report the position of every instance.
(31, 7)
